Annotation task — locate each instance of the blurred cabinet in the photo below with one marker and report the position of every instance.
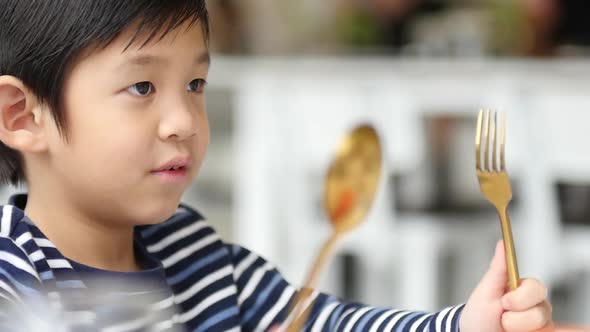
(289, 114)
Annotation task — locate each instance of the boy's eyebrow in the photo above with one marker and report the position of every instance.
(204, 58)
(147, 59)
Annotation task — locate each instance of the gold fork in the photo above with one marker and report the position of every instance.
(494, 182)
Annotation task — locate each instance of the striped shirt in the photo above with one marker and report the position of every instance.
(192, 281)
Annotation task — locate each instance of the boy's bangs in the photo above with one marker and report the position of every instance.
(154, 21)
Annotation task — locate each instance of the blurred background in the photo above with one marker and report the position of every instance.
(289, 78)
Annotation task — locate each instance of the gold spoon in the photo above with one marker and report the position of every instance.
(350, 186)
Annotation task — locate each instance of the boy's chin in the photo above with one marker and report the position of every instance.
(159, 212)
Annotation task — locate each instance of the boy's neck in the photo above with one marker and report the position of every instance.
(79, 237)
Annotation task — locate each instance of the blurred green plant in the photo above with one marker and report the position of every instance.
(358, 29)
(508, 31)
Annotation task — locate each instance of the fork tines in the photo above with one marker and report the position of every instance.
(488, 130)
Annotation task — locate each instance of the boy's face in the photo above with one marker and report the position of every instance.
(129, 115)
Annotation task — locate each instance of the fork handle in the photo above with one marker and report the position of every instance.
(511, 265)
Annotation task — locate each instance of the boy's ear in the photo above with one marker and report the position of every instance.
(20, 117)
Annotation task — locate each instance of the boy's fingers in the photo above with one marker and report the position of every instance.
(529, 320)
(530, 293)
(493, 283)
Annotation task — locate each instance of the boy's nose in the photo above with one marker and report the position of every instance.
(179, 122)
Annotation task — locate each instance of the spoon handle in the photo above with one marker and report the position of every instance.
(298, 317)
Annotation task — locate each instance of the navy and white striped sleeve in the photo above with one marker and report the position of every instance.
(19, 286)
(264, 298)
(18, 277)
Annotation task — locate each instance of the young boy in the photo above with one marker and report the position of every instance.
(102, 116)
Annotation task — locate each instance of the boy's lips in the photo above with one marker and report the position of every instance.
(174, 164)
(174, 171)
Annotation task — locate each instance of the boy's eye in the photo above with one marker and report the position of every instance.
(141, 89)
(197, 85)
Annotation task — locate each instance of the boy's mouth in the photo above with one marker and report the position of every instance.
(178, 165)
(174, 168)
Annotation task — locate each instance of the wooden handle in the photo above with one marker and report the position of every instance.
(298, 317)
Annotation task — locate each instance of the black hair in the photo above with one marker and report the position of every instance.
(41, 39)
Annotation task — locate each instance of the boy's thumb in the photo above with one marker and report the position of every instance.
(493, 283)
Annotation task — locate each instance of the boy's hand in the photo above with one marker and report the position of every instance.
(491, 309)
